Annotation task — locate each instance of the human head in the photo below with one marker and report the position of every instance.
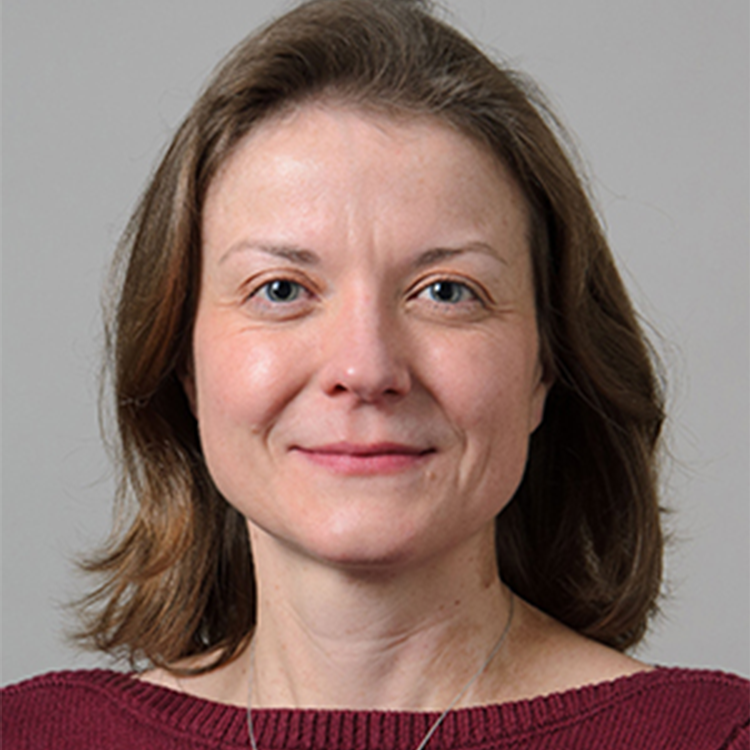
(581, 538)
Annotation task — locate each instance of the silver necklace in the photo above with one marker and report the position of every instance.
(423, 744)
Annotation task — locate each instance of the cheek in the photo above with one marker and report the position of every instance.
(241, 383)
(490, 383)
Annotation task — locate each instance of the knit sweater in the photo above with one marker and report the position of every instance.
(664, 708)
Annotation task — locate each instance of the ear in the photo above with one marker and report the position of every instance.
(539, 397)
(186, 377)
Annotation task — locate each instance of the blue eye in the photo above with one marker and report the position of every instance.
(449, 292)
(281, 290)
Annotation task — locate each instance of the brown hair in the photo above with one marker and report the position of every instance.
(581, 539)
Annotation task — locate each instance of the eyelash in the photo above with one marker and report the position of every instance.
(468, 294)
(261, 302)
(267, 287)
(300, 293)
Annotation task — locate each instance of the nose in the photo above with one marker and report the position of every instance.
(364, 355)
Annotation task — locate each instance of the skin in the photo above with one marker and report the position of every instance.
(366, 377)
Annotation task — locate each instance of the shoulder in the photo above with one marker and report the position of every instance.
(694, 708)
(100, 681)
(558, 660)
(606, 701)
(86, 709)
(664, 708)
(44, 711)
(65, 690)
(691, 691)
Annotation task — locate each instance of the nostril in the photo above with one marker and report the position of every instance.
(393, 386)
(367, 366)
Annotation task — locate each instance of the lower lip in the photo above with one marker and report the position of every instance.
(350, 464)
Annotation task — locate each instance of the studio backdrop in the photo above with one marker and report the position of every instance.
(656, 93)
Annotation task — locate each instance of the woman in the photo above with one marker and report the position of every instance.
(389, 424)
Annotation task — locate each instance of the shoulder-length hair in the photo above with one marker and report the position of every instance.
(581, 538)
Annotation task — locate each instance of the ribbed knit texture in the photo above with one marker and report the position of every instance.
(665, 708)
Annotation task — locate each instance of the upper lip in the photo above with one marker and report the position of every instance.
(345, 448)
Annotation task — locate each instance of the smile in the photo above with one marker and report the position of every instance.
(352, 459)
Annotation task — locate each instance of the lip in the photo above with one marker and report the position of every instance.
(360, 459)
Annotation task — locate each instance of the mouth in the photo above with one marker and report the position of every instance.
(356, 459)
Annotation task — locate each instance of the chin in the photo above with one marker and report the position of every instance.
(361, 550)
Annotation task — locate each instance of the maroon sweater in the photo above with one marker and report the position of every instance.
(665, 708)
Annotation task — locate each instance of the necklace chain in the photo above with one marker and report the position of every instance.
(423, 744)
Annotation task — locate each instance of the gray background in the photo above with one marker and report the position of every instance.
(656, 92)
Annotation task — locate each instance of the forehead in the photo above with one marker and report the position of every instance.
(322, 156)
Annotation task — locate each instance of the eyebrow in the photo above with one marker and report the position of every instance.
(286, 252)
(438, 254)
(304, 257)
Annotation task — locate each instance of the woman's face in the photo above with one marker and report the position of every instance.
(366, 366)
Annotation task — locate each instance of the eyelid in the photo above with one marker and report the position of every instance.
(476, 289)
(256, 283)
(268, 282)
(257, 305)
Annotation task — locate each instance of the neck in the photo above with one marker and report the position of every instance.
(371, 638)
